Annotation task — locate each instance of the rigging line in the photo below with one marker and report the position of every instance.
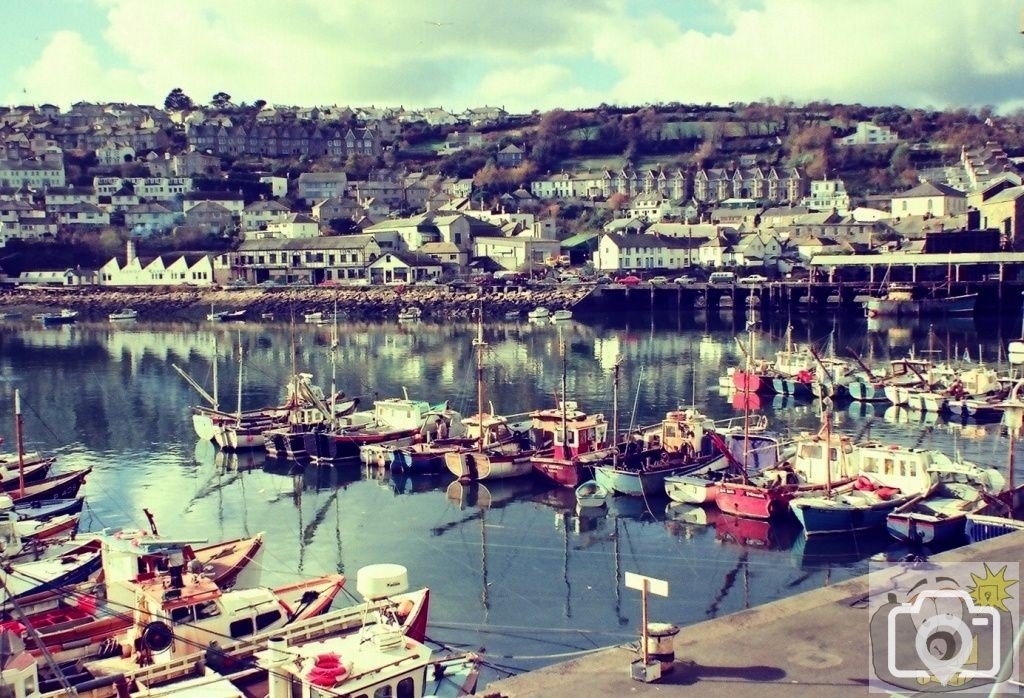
(54, 666)
(42, 421)
(559, 655)
(501, 629)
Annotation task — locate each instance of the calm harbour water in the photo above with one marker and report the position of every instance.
(512, 567)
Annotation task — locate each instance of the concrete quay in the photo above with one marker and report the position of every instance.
(812, 644)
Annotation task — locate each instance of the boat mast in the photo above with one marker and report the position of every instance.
(216, 399)
(565, 425)
(334, 364)
(828, 450)
(480, 345)
(615, 410)
(238, 414)
(19, 443)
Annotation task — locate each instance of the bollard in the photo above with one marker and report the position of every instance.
(661, 644)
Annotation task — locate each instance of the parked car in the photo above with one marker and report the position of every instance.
(601, 280)
(658, 280)
(754, 279)
(629, 280)
(683, 280)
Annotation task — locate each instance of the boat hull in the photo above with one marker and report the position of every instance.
(477, 465)
(562, 472)
(753, 502)
(926, 530)
(826, 517)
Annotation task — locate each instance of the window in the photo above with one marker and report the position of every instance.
(406, 688)
(265, 620)
(207, 610)
(241, 628)
(383, 692)
(182, 614)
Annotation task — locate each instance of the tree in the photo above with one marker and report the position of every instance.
(177, 100)
(220, 100)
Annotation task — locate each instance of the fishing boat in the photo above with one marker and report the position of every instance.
(511, 315)
(820, 460)
(23, 580)
(899, 301)
(65, 316)
(126, 556)
(28, 473)
(22, 537)
(390, 420)
(226, 315)
(940, 516)
(979, 527)
(410, 313)
(561, 315)
(591, 494)
(507, 458)
(63, 486)
(124, 315)
(538, 314)
(889, 478)
(373, 647)
(680, 443)
(749, 452)
(41, 510)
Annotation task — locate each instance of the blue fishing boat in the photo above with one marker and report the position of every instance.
(941, 517)
(979, 527)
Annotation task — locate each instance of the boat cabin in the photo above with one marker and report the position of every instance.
(574, 435)
(686, 431)
(190, 611)
(799, 362)
(489, 428)
(400, 413)
(906, 469)
(810, 459)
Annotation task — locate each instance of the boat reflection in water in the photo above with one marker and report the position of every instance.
(826, 551)
(736, 530)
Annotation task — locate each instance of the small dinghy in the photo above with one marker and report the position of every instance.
(591, 494)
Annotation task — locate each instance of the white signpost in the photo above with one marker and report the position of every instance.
(647, 671)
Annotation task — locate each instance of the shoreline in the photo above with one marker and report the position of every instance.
(169, 303)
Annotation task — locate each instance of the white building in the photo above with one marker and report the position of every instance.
(929, 198)
(827, 194)
(402, 268)
(868, 133)
(517, 253)
(618, 252)
(259, 214)
(316, 186)
(131, 270)
(295, 225)
(35, 175)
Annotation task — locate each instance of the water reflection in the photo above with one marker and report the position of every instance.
(513, 565)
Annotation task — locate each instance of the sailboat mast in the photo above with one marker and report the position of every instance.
(238, 413)
(615, 410)
(565, 425)
(480, 346)
(216, 399)
(334, 363)
(19, 442)
(828, 450)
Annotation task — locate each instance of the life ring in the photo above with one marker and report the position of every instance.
(157, 637)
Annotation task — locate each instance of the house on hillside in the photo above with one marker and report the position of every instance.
(510, 156)
(929, 198)
(258, 214)
(1005, 211)
(316, 186)
(868, 133)
(148, 218)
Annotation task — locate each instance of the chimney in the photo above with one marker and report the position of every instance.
(129, 252)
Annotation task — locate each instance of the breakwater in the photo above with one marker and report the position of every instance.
(374, 301)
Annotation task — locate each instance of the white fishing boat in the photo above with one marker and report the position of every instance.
(409, 314)
(539, 314)
(561, 315)
(123, 315)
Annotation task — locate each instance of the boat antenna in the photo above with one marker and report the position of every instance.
(636, 398)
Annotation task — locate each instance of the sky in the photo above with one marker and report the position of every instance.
(520, 54)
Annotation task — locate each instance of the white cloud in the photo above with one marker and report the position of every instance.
(536, 54)
(66, 70)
